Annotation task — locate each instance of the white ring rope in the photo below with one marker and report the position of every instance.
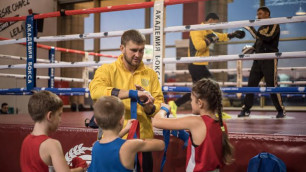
(222, 25)
(167, 83)
(23, 58)
(189, 84)
(263, 56)
(233, 70)
(42, 77)
(235, 57)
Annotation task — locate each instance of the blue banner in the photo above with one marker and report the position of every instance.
(51, 70)
(31, 52)
(259, 90)
(243, 89)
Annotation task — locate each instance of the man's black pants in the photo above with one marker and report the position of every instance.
(268, 70)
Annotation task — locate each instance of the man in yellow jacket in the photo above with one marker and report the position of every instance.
(128, 73)
(199, 43)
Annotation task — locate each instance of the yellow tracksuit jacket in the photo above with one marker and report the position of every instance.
(115, 75)
(197, 44)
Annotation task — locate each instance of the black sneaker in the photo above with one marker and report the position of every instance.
(244, 113)
(281, 114)
(81, 108)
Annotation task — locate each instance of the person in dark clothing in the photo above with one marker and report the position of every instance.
(267, 38)
(199, 43)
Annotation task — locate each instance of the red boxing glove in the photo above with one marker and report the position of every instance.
(78, 162)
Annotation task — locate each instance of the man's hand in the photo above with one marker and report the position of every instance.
(144, 96)
(139, 88)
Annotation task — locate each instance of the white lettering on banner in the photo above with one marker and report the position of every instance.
(29, 41)
(30, 74)
(158, 33)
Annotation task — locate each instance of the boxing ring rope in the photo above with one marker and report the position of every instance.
(234, 83)
(98, 10)
(24, 58)
(16, 91)
(173, 60)
(43, 77)
(166, 84)
(233, 70)
(223, 25)
(67, 50)
(171, 96)
(243, 89)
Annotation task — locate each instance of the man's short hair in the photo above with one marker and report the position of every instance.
(213, 16)
(41, 103)
(108, 111)
(265, 9)
(3, 104)
(134, 36)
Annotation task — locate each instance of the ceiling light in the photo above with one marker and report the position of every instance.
(300, 12)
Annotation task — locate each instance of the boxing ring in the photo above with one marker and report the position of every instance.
(285, 138)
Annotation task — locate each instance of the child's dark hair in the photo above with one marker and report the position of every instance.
(108, 111)
(41, 103)
(209, 90)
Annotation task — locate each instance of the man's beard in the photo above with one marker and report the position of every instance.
(130, 62)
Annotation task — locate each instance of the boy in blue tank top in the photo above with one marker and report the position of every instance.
(111, 153)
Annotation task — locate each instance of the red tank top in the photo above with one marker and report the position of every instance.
(30, 160)
(208, 155)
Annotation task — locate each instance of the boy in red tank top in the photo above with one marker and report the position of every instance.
(38, 151)
(208, 147)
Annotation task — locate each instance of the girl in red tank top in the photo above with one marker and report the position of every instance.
(208, 147)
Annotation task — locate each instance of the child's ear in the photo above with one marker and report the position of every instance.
(49, 116)
(122, 120)
(200, 103)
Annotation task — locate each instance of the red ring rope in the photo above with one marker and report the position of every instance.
(67, 50)
(97, 10)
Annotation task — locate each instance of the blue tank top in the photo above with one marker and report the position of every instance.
(105, 157)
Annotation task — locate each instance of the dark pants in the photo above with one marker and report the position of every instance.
(147, 162)
(197, 72)
(260, 69)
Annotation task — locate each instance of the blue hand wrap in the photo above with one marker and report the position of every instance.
(166, 134)
(133, 94)
(167, 111)
(181, 134)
